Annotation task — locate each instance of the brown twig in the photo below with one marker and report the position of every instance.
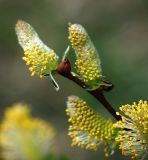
(64, 69)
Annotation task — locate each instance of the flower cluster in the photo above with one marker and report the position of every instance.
(89, 129)
(88, 63)
(133, 136)
(23, 137)
(41, 59)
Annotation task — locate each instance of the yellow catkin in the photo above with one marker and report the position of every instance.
(40, 58)
(87, 62)
(133, 136)
(24, 137)
(88, 129)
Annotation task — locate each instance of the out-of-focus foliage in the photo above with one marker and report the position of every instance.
(119, 30)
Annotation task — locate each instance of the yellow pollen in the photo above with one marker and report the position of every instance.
(25, 137)
(88, 129)
(133, 137)
(40, 58)
(87, 58)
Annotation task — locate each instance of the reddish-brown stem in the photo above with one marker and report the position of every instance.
(64, 70)
(99, 96)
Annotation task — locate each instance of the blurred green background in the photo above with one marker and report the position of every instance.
(118, 28)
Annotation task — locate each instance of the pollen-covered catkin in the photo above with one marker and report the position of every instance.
(23, 137)
(40, 58)
(88, 129)
(133, 134)
(87, 59)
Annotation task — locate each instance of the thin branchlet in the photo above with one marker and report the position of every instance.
(64, 69)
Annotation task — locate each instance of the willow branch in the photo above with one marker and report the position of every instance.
(64, 69)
